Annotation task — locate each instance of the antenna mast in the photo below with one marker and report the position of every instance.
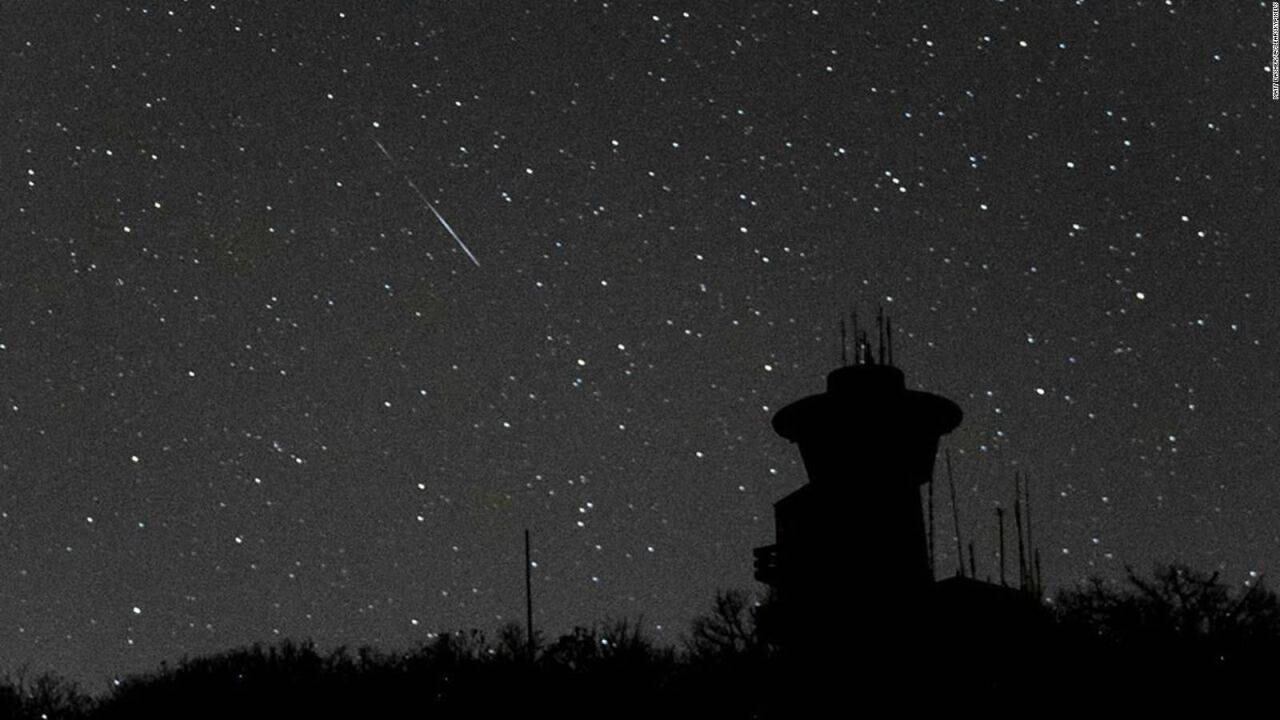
(1000, 520)
(880, 332)
(857, 340)
(1017, 518)
(844, 346)
(955, 515)
(1039, 579)
(888, 333)
(1031, 545)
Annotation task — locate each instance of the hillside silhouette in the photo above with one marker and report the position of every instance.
(1107, 641)
(612, 669)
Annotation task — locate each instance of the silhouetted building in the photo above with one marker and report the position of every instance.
(868, 444)
(851, 568)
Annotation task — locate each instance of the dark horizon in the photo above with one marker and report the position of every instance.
(253, 387)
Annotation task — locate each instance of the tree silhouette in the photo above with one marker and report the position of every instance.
(1179, 625)
(1152, 639)
(46, 696)
(732, 628)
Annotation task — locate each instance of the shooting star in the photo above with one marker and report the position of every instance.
(444, 223)
(383, 148)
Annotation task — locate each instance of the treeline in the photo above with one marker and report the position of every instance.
(1178, 628)
(1178, 637)
(610, 670)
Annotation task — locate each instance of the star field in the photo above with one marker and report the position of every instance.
(251, 388)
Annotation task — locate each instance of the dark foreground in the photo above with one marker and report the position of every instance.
(1180, 640)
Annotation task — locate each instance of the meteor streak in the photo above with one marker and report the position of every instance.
(425, 201)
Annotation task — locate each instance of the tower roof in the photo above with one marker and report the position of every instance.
(866, 396)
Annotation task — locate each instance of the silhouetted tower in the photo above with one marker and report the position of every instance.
(851, 543)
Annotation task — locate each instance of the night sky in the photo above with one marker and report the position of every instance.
(251, 388)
